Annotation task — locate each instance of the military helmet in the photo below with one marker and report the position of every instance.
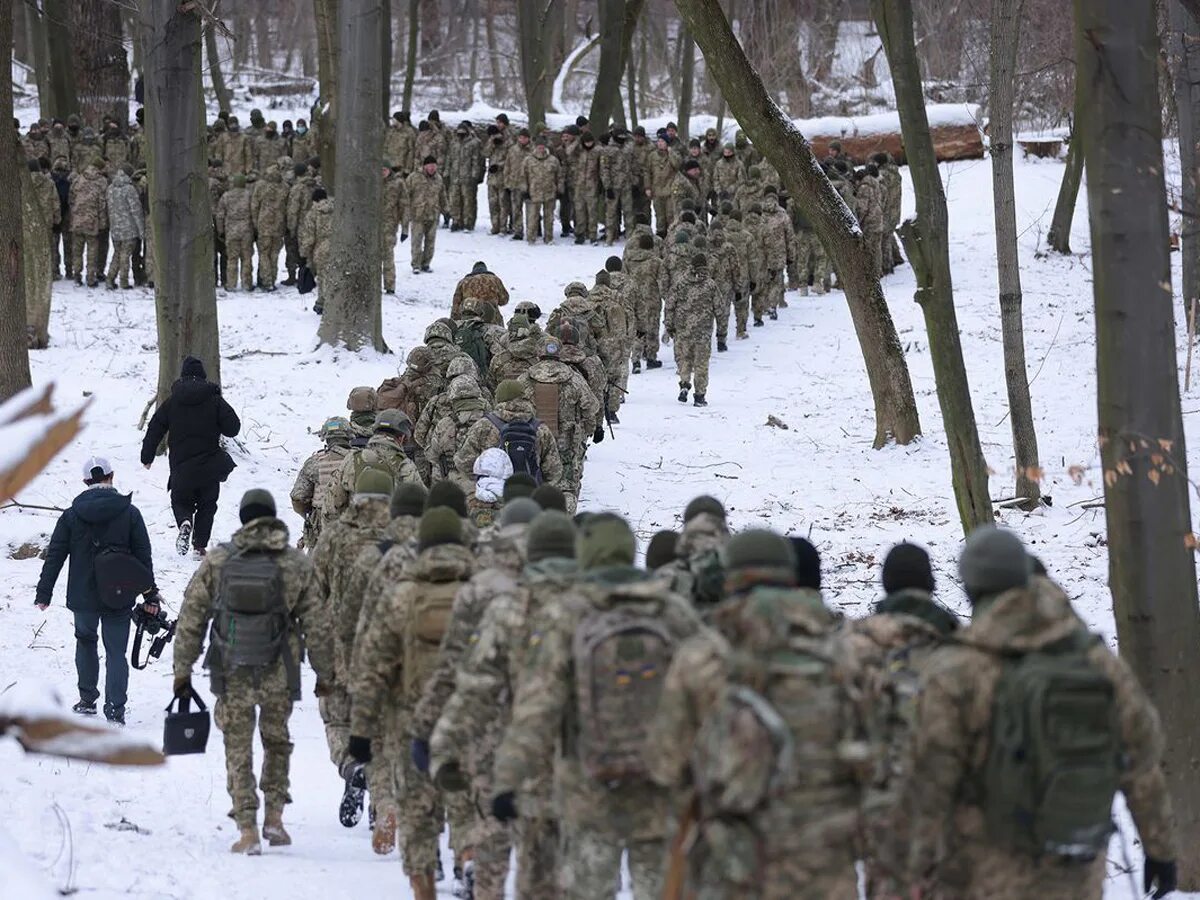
(464, 388)
(474, 307)
(362, 399)
(519, 327)
(336, 427)
(529, 309)
(442, 330)
(575, 289)
(393, 421)
(461, 365)
(420, 359)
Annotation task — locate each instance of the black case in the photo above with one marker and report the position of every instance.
(185, 731)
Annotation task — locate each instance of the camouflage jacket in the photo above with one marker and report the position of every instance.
(617, 335)
(83, 153)
(233, 215)
(585, 177)
(495, 153)
(514, 166)
(381, 567)
(268, 205)
(426, 197)
(447, 435)
(311, 627)
(692, 307)
(484, 434)
(892, 184)
(308, 492)
(236, 153)
(776, 229)
(727, 175)
(583, 310)
(616, 168)
(868, 204)
(497, 575)
(429, 143)
(395, 203)
(684, 188)
(465, 163)
(381, 452)
(399, 147)
(376, 668)
(543, 180)
(485, 286)
(661, 173)
(298, 202)
(516, 353)
(579, 409)
(88, 197)
(315, 229)
(46, 195)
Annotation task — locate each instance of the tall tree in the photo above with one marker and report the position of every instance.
(220, 88)
(1151, 566)
(536, 42)
(262, 34)
(1059, 237)
(324, 117)
(410, 59)
(36, 264)
(927, 240)
(786, 148)
(101, 69)
(185, 292)
(14, 348)
(618, 21)
(35, 39)
(687, 83)
(1185, 54)
(351, 290)
(1006, 28)
(385, 75)
(62, 62)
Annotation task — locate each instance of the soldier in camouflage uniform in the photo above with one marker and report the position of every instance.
(236, 150)
(585, 190)
(485, 685)
(604, 809)
(868, 207)
(426, 202)
(429, 143)
(308, 493)
(268, 215)
(361, 524)
(514, 180)
(495, 152)
(615, 343)
(466, 407)
(315, 230)
(775, 229)
(395, 216)
(543, 182)
(793, 832)
(400, 143)
(385, 450)
(234, 226)
(463, 176)
(660, 175)
(439, 338)
(643, 272)
(577, 306)
(892, 189)
(396, 656)
(692, 308)
(267, 691)
(84, 150)
(299, 200)
(517, 351)
(88, 198)
(116, 149)
(126, 225)
(1014, 616)
(727, 173)
(512, 405)
(751, 190)
(750, 252)
(728, 273)
(616, 180)
(482, 285)
(584, 360)
(362, 403)
(811, 263)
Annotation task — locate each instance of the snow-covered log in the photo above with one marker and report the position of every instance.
(954, 126)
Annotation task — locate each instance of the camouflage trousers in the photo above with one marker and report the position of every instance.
(537, 842)
(991, 873)
(771, 292)
(118, 266)
(499, 206)
(384, 767)
(421, 810)
(464, 203)
(269, 246)
(649, 321)
(517, 206)
(240, 255)
(234, 714)
(741, 310)
(539, 212)
(490, 847)
(91, 242)
(587, 214)
(874, 240)
(617, 369)
(692, 355)
(812, 264)
(723, 318)
(387, 240)
(591, 865)
(662, 216)
(291, 255)
(423, 236)
(335, 713)
(618, 208)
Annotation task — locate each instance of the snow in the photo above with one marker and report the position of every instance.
(820, 478)
(940, 115)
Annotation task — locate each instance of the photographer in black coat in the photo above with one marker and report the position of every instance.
(194, 417)
(100, 517)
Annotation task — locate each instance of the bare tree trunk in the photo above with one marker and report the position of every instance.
(926, 239)
(787, 150)
(1151, 565)
(101, 70)
(180, 213)
(410, 62)
(385, 74)
(687, 83)
(631, 84)
(1006, 27)
(224, 95)
(1059, 237)
(35, 31)
(36, 262)
(823, 44)
(308, 38)
(493, 52)
(241, 46)
(325, 115)
(1185, 48)
(14, 347)
(608, 78)
(350, 281)
(536, 36)
(262, 35)
(62, 59)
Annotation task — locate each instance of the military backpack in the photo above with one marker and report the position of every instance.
(1054, 760)
(427, 624)
(470, 340)
(519, 441)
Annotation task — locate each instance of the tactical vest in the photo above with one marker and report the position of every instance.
(328, 466)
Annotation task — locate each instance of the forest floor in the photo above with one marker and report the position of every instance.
(818, 477)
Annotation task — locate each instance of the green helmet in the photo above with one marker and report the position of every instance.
(336, 428)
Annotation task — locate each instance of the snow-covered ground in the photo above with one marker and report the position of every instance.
(818, 478)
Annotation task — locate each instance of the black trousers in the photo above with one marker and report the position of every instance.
(197, 504)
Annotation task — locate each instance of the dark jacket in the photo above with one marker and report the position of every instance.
(98, 514)
(195, 416)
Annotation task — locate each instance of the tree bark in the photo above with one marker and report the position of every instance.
(262, 36)
(608, 77)
(224, 95)
(385, 75)
(185, 290)
(1185, 48)
(1146, 491)
(351, 288)
(1006, 27)
(410, 62)
(36, 263)
(895, 408)
(535, 42)
(14, 346)
(1059, 237)
(61, 59)
(101, 70)
(35, 38)
(687, 83)
(325, 113)
(493, 51)
(631, 83)
(927, 241)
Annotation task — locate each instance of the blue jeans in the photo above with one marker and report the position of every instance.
(113, 628)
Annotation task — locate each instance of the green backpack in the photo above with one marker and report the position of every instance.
(471, 342)
(1054, 762)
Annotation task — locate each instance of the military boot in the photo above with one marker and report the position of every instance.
(422, 887)
(773, 314)
(637, 367)
(273, 829)
(248, 843)
(683, 393)
(699, 400)
(654, 364)
(383, 835)
(722, 346)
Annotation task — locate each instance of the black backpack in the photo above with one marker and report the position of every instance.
(519, 441)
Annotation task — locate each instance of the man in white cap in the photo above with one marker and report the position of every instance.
(99, 518)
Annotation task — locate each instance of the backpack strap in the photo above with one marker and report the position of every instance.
(495, 420)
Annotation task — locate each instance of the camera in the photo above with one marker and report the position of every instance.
(151, 618)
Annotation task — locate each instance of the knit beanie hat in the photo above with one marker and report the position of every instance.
(374, 481)
(758, 548)
(549, 497)
(256, 504)
(517, 485)
(551, 535)
(992, 562)
(509, 390)
(448, 494)
(704, 504)
(808, 563)
(520, 511)
(605, 539)
(907, 566)
(407, 500)
(439, 525)
(192, 368)
(662, 549)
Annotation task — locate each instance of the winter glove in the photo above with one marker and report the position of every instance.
(360, 748)
(504, 806)
(598, 435)
(610, 194)
(322, 689)
(450, 778)
(1158, 876)
(420, 755)
(403, 236)
(183, 685)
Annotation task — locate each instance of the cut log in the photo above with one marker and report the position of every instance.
(1042, 149)
(954, 126)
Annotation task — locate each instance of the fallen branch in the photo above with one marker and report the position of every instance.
(10, 504)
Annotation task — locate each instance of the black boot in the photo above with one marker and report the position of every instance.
(654, 364)
(637, 368)
(699, 401)
(758, 323)
(351, 809)
(683, 393)
(722, 346)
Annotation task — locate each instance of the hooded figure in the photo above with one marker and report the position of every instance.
(195, 417)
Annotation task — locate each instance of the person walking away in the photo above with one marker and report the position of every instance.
(256, 592)
(195, 417)
(99, 517)
(126, 224)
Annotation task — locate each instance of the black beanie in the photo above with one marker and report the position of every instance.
(256, 504)
(907, 566)
(407, 500)
(661, 550)
(192, 368)
(547, 496)
(808, 564)
(518, 485)
(447, 493)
